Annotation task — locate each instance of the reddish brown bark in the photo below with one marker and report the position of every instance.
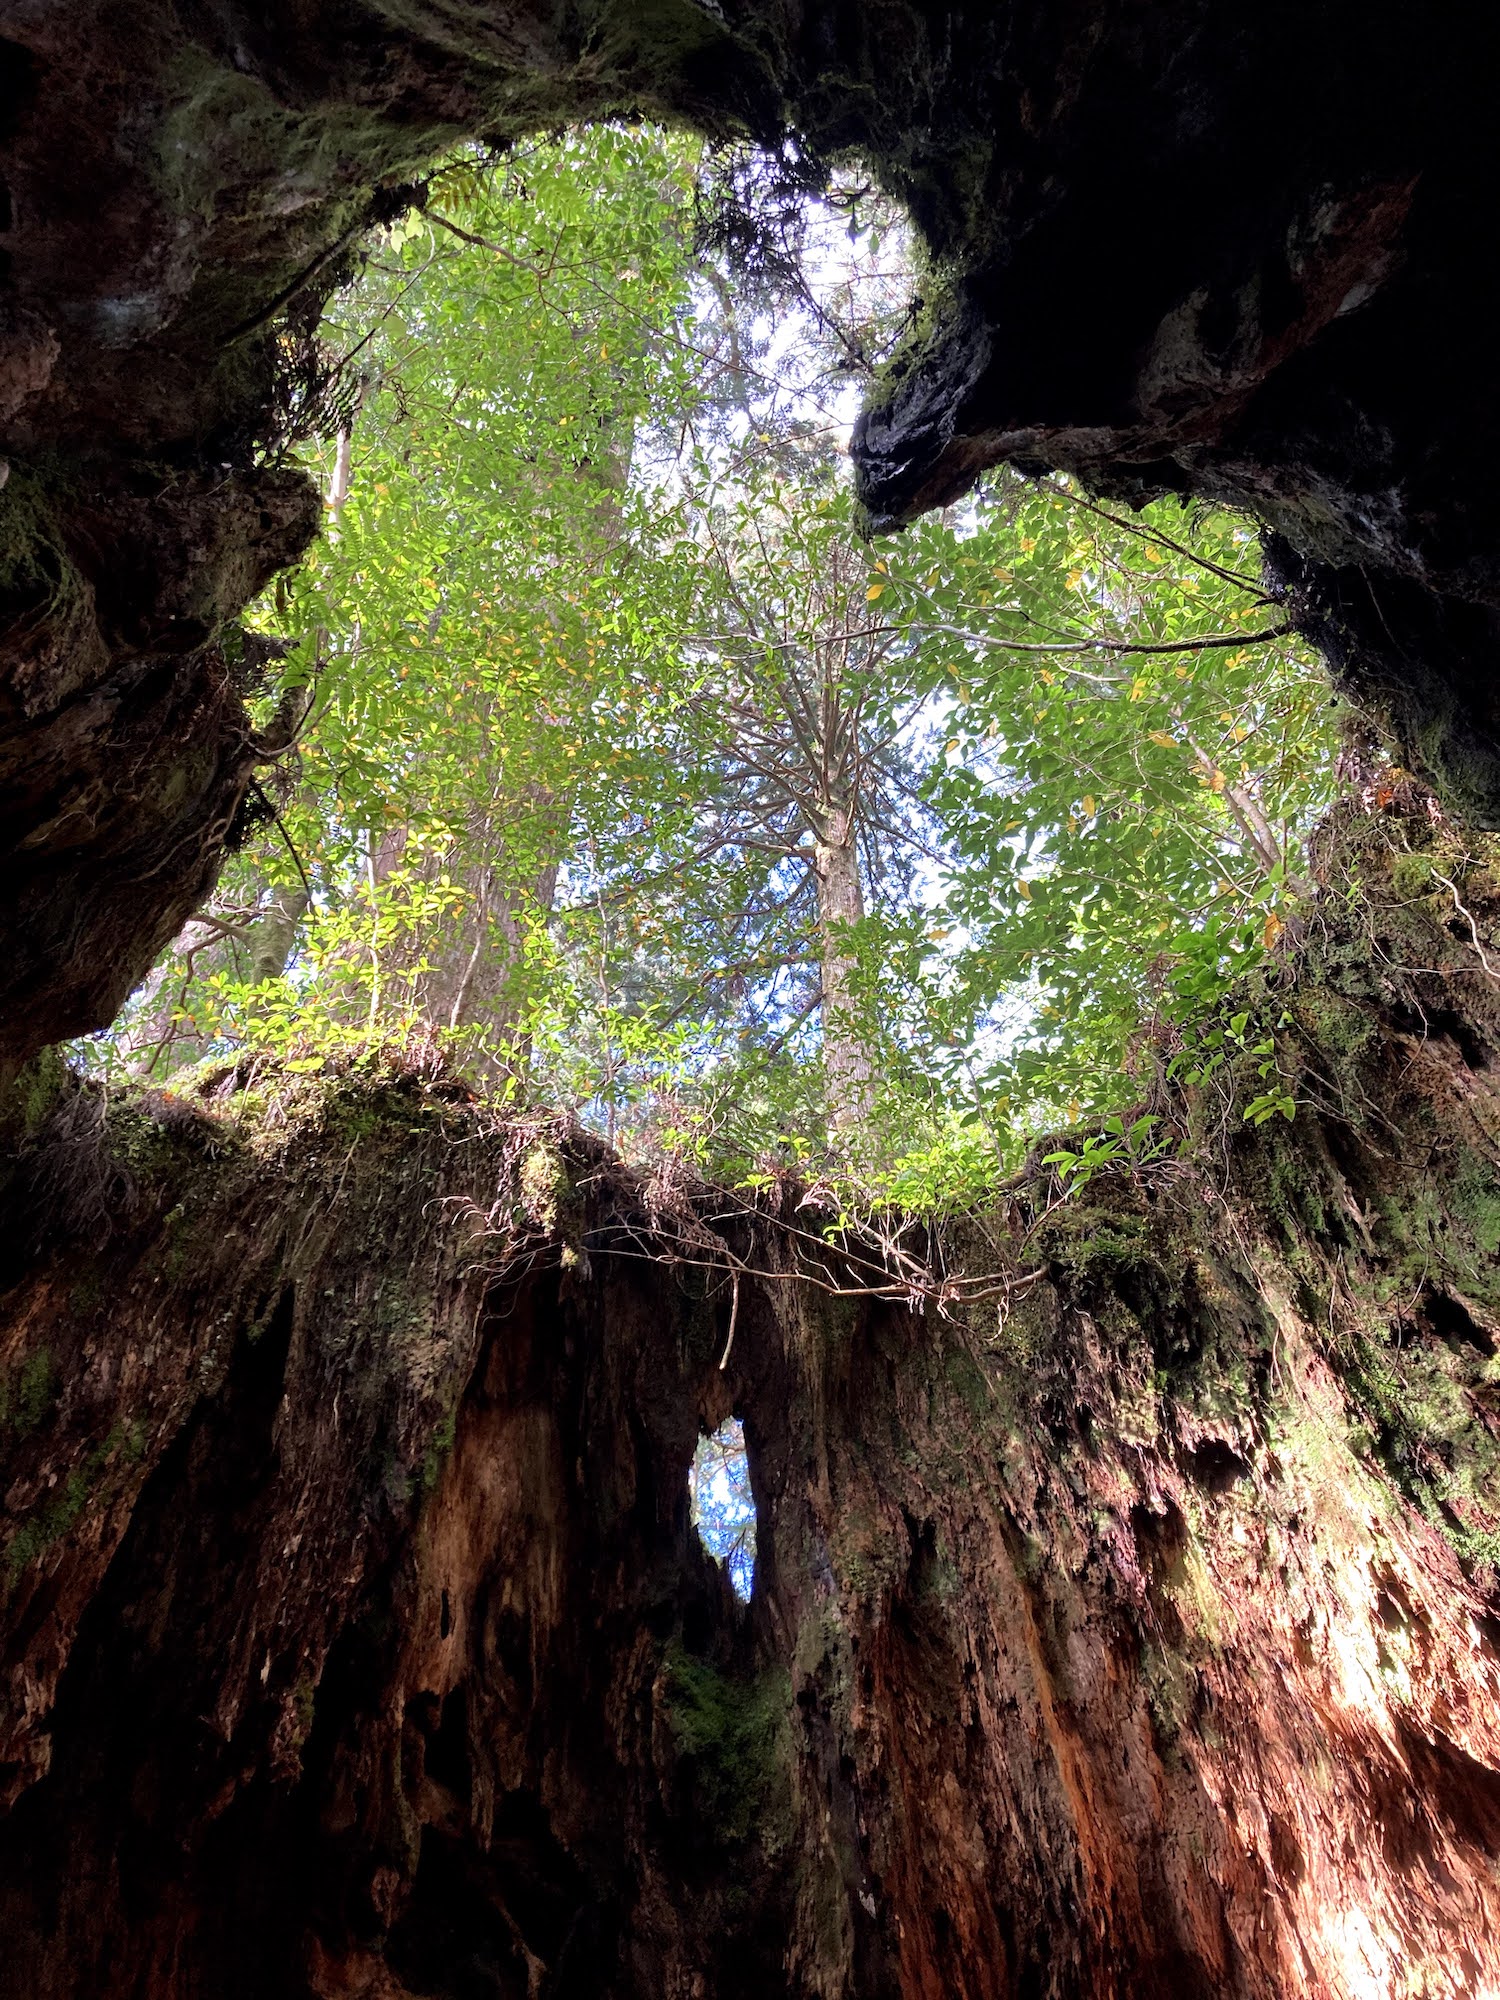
(356, 1639)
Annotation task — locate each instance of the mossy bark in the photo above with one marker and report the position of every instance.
(1132, 1631)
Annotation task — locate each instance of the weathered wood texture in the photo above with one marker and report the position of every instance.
(1131, 1633)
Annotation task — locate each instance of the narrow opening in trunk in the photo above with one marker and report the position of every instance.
(723, 1504)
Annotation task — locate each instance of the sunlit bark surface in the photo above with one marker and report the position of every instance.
(841, 902)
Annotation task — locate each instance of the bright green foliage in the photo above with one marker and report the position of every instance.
(456, 630)
(1130, 768)
(592, 688)
(770, 729)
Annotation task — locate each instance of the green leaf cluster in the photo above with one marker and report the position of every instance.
(592, 671)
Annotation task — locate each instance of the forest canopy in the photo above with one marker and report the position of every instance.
(608, 761)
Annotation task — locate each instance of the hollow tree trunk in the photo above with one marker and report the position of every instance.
(1129, 1631)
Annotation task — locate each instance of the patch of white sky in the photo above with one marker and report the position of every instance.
(805, 360)
(723, 1503)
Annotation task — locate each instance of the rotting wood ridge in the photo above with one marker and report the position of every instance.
(357, 1639)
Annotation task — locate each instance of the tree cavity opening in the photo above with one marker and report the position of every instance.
(723, 1504)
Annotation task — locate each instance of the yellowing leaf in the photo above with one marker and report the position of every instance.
(1088, 806)
(874, 591)
(1024, 887)
(1273, 930)
(1167, 742)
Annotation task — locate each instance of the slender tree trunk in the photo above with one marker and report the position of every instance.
(841, 902)
(160, 1042)
(275, 935)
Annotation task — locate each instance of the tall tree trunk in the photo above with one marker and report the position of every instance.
(275, 935)
(1127, 1631)
(467, 971)
(841, 902)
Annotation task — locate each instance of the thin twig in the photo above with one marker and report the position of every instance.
(1452, 888)
(734, 1313)
(263, 796)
